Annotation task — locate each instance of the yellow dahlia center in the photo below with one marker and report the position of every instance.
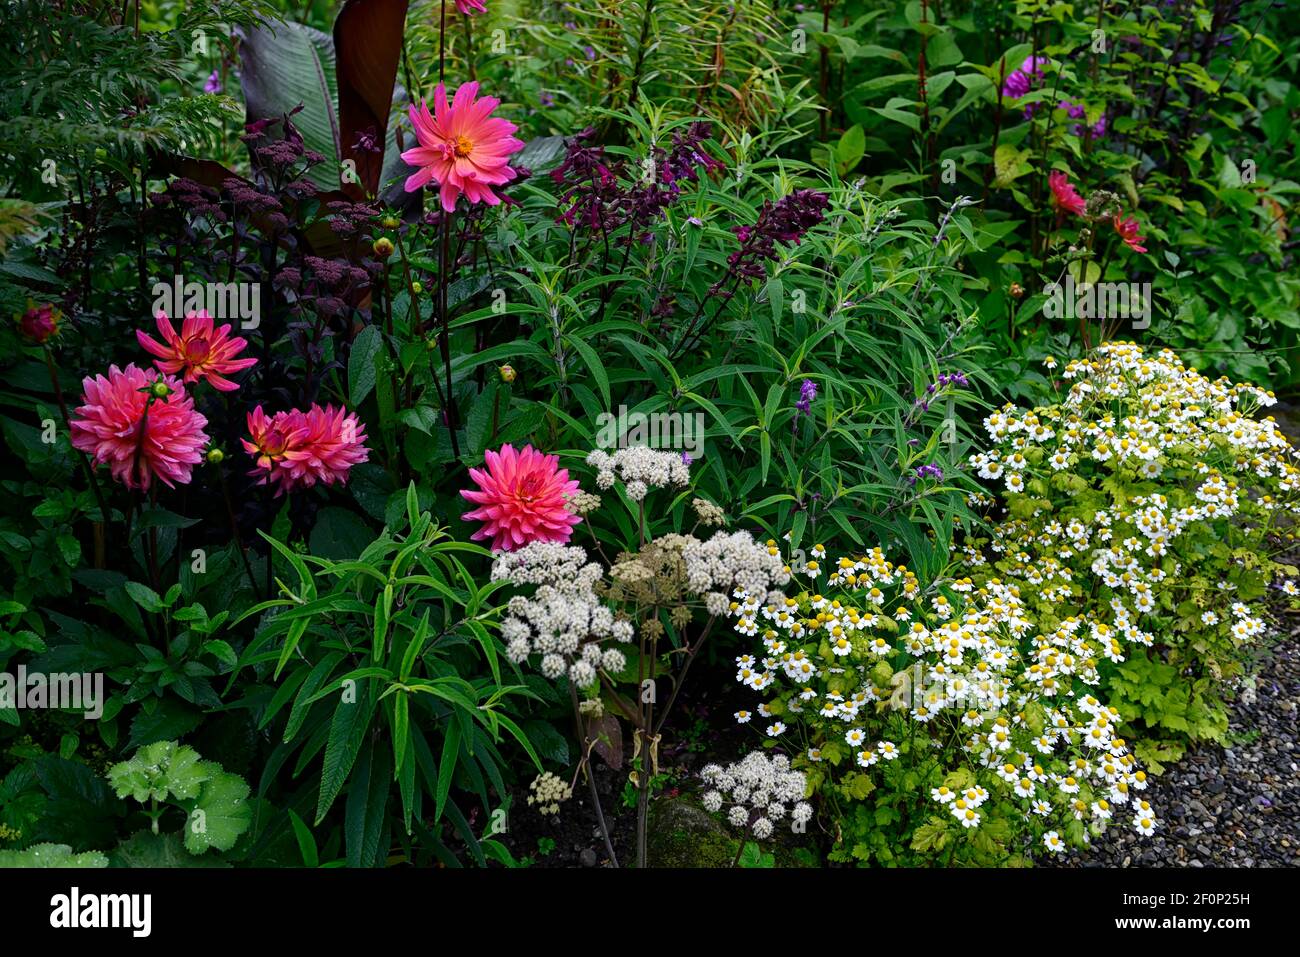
(273, 446)
(462, 147)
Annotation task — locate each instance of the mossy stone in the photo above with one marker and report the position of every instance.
(682, 834)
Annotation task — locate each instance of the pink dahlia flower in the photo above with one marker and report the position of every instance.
(521, 499)
(470, 7)
(201, 351)
(140, 439)
(1064, 195)
(298, 449)
(462, 147)
(1128, 231)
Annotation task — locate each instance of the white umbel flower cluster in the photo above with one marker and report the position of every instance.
(761, 789)
(640, 469)
(547, 793)
(564, 621)
(727, 562)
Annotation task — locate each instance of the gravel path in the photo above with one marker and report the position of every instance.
(1235, 806)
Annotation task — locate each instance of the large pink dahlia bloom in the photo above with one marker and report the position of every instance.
(298, 449)
(521, 499)
(200, 351)
(140, 439)
(462, 147)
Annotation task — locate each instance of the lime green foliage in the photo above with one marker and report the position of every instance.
(160, 771)
(51, 855)
(919, 714)
(215, 802)
(1145, 507)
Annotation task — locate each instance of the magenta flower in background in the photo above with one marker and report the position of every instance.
(1064, 195)
(1024, 78)
(1075, 111)
(462, 147)
(604, 193)
(214, 83)
(471, 7)
(807, 396)
(1128, 231)
(39, 324)
(803, 406)
(141, 435)
(929, 470)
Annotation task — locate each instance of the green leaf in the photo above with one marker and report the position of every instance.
(51, 855)
(339, 534)
(931, 836)
(541, 153)
(284, 65)
(550, 744)
(362, 371)
(145, 597)
(306, 840)
(401, 727)
(594, 366)
(367, 807)
(146, 849)
(347, 731)
(158, 771)
(851, 148)
(221, 813)
(446, 767)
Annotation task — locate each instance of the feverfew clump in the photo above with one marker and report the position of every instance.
(759, 792)
(943, 709)
(1143, 511)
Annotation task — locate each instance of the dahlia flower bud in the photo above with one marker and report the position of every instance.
(40, 323)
